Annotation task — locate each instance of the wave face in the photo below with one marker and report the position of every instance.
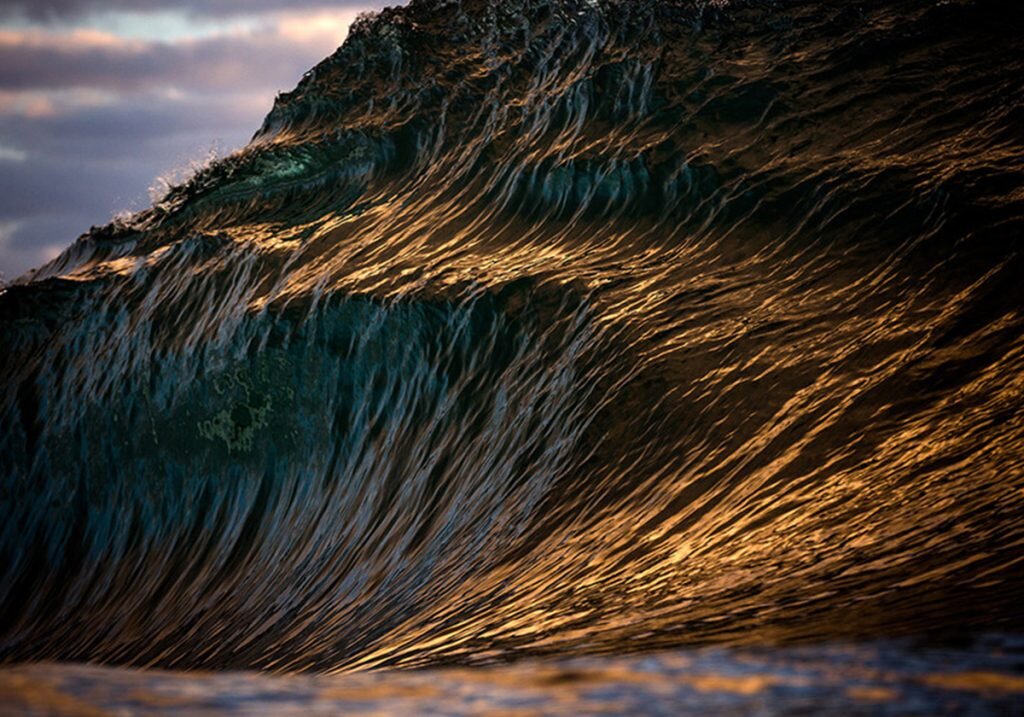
(545, 328)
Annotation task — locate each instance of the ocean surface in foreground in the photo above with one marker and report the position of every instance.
(882, 678)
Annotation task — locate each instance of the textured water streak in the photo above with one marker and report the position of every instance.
(543, 329)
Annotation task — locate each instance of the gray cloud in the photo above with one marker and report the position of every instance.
(139, 118)
(30, 244)
(50, 186)
(84, 166)
(43, 10)
(89, 121)
(105, 159)
(60, 62)
(83, 169)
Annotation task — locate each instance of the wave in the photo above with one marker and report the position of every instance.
(545, 328)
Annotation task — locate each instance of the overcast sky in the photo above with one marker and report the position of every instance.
(100, 99)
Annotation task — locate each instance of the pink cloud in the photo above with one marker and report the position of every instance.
(272, 55)
(74, 40)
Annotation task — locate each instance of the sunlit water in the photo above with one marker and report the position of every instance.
(545, 330)
(887, 678)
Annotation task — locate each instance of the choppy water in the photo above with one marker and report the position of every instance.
(885, 678)
(541, 330)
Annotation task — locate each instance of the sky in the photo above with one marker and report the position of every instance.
(102, 102)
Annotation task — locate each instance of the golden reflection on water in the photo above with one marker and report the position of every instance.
(841, 680)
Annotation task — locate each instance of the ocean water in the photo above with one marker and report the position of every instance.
(546, 339)
(880, 678)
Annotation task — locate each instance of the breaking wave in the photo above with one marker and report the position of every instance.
(544, 328)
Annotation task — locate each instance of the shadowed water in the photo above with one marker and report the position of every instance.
(542, 330)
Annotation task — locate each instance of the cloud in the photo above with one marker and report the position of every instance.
(7, 230)
(49, 185)
(89, 118)
(30, 244)
(12, 154)
(50, 10)
(273, 55)
(89, 165)
(154, 131)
